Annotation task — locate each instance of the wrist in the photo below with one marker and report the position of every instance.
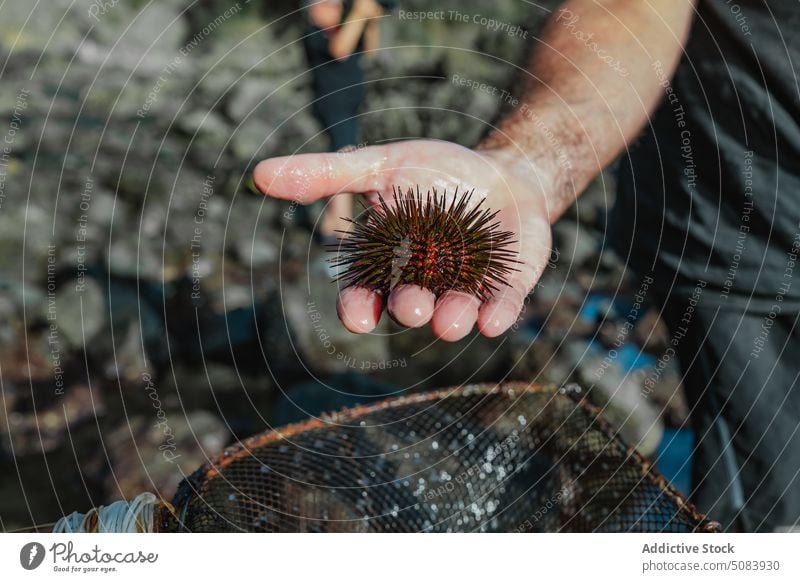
(542, 171)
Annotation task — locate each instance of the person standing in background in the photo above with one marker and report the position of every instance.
(339, 33)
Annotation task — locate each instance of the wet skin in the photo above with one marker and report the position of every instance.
(445, 166)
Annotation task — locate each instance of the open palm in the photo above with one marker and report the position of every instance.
(427, 164)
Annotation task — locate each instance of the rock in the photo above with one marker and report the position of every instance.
(417, 360)
(258, 252)
(31, 28)
(247, 47)
(619, 393)
(252, 98)
(576, 244)
(651, 332)
(127, 258)
(202, 384)
(663, 386)
(251, 233)
(208, 128)
(34, 433)
(256, 140)
(80, 312)
(157, 450)
(130, 358)
(9, 320)
(30, 358)
(334, 393)
(595, 202)
(128, 32)
(310, 311)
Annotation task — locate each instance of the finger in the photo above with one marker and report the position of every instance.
(455, 315)
(411, 305)
(305, 178)
(359, 309)
(502, 310)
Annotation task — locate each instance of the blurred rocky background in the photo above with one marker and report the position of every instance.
(154, 309)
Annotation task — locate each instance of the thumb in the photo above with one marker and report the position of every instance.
(306, 178)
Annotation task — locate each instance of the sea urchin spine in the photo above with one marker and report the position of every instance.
(428, 242)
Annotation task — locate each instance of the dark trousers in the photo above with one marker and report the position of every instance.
(741, 379)
(340, 122)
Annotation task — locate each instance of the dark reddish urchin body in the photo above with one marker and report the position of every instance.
(427, 242)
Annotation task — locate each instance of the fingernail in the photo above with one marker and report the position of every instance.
(497, 317)
(411, 305)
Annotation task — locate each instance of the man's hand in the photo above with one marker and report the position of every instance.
(492, 173)
(573, 106)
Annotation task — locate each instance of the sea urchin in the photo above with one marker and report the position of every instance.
(428, 242)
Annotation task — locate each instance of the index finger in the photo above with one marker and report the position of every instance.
(305, 178)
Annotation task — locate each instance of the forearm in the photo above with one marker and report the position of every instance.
(372, 37)
(346, 39)
(590, 87)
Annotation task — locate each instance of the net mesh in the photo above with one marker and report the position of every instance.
(502, 458)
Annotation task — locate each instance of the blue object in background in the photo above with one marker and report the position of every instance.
(630, 358)
(594, 307)
(675, 458)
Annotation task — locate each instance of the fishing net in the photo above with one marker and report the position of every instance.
(480, 458)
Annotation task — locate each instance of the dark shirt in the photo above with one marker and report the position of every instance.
(711, 191)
